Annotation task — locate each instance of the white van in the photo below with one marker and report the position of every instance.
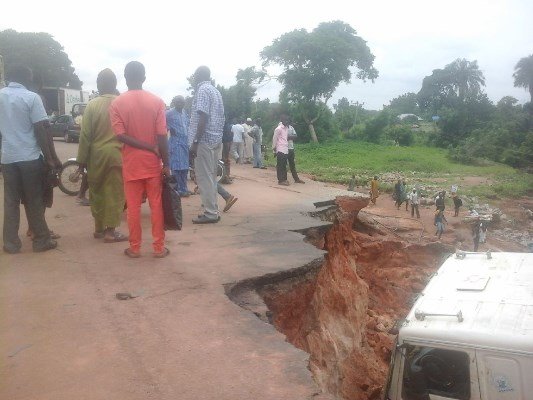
(469, 335)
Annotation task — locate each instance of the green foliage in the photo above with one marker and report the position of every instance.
(338, 161)
(356, 132)
(325, 126)
(451, 86)
(315, 63)
(496, 142)
(51, 66)
(238, 98)
(523, 75)
(400, 133)
(374, 128)
(404, 104)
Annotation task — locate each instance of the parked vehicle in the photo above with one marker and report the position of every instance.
(63, 100)
(66, 127)
(469, 336)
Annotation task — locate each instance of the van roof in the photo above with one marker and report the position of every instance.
(494, 296)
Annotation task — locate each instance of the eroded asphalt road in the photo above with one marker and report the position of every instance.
(64, 334)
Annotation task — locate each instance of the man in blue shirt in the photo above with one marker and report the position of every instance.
(205, 140)
(23, 123)
(178, 143)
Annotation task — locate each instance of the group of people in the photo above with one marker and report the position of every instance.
(128, 143)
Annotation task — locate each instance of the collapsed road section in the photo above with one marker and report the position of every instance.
(343, 308)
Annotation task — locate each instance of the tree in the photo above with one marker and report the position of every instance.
(238, 98)
(459, 82)
(347, 114)
(523, 75)
(43, 54)
(466, 78)
(404, 104)
(315, 63)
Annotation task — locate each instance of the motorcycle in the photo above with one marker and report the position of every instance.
(71, 177)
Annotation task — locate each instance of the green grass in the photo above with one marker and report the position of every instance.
(338, 161)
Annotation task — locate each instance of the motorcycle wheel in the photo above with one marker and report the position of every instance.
(69, 180)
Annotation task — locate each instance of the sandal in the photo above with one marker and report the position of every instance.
(117, 237)
(162, 254)
(53, 235)
(98, 235)
(131, 254)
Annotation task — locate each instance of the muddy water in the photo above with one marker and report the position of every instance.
(343, 309)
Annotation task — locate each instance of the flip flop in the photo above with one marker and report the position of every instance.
(131, 254)
(230, 203)
(162, 254)
(117, 237)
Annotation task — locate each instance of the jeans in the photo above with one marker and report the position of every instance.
(238, 152)
(258, 158)
(223, 192)
(281, 166)
(205, 167)
(292, 165)
(24, 181)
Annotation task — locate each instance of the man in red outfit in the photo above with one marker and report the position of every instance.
(138, 120)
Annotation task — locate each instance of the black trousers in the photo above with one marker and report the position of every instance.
(292, 165)
(281, 166)
(24, 181)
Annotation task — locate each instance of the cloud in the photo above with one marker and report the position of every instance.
(409, 39)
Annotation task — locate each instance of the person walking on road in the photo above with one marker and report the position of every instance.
(413, 199)
(439, 222)
(457, 203)
(291, 156)
(281, 149)
(99, 152)
(374, 190)
(257, 134)
(439, 201)
(138, 120)
(238, 143)
(25, 140)
(227, 142)
(205, 140)
(178, 143)
(248, 141)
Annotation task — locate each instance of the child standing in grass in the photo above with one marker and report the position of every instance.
(439, 222)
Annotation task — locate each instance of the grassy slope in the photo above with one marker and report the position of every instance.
(337, 161)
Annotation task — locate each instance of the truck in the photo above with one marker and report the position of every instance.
(64, 101)
(469, 334)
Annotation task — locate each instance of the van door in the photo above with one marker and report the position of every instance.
(500, 376)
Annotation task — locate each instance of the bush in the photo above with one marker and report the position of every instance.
(400, 134)
(356, 132)
(374, 128)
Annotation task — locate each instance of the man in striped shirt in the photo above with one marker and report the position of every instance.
(205, 141)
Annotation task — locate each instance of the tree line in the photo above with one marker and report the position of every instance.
(456, 111)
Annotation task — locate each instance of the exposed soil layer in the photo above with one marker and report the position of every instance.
(342, 309)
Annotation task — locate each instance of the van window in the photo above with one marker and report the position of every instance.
(432, 371)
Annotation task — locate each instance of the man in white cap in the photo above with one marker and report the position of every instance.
(248, 141)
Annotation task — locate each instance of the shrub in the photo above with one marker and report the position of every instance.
(400, 134)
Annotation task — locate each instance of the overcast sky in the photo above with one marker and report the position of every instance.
(409, 38)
